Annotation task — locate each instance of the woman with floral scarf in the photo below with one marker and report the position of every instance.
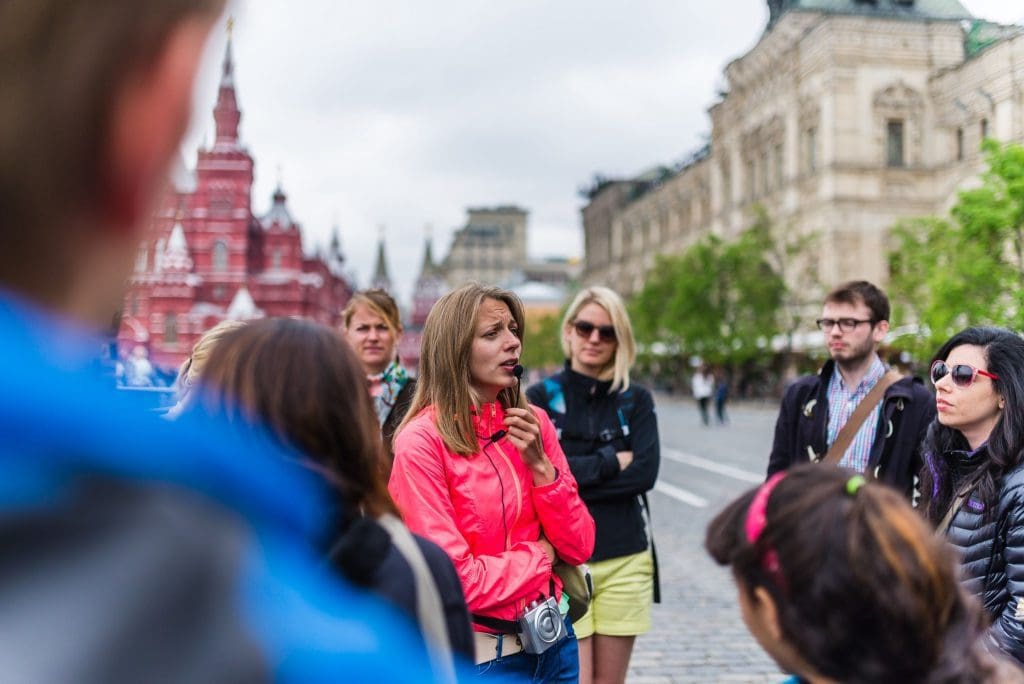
(372, 327)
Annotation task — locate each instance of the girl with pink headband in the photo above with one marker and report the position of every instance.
(840, 580)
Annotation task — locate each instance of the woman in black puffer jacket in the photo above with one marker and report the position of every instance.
(972, 485)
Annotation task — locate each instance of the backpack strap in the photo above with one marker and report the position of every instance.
(860, 414)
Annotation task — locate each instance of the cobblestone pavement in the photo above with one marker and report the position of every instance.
(697, 633)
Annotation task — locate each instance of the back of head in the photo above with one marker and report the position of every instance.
(305, 384)
(62, 66)
(444, 379)
(865, 592)
(625, 350)
(192, 368)
(861, 292)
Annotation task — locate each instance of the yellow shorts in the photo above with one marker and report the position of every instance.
(623, 594)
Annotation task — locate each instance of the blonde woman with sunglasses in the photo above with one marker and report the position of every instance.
(972, 485)
(609, 432)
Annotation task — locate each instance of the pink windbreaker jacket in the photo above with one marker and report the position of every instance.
(458, 503)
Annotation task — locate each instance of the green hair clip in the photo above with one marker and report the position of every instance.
(855, 483)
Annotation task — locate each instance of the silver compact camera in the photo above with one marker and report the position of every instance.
(541, 626)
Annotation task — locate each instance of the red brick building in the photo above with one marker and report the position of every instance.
(208, 258)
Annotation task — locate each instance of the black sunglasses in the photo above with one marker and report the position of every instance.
(961, 374)
(585, 329)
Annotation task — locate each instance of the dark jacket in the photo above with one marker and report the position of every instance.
(365, 555)
(802, 428)
(394, 419)
(992, 560)
(591, 432)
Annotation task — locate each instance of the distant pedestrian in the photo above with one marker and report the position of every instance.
(972, 485)
(373, 327)
(840, 580)
(609, 432)
(819, 418)
(703, 387)
(721, 396)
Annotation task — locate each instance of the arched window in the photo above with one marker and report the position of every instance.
(220, 256)
(275, 263)
(170, 328)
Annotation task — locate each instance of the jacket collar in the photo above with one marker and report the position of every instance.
(585, 383)
(488, 419)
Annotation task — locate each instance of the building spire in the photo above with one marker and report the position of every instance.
(226, 113)
(429, 268)
(381, 279)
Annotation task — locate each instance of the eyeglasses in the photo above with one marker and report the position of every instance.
(845, 324)
(961, 374)
(585, 329)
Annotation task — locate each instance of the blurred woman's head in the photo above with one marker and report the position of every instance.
(372, 326)
(304, 383)
(192, 369)
(979, 386)
(471, 343)
(597, 336)
(844, 580)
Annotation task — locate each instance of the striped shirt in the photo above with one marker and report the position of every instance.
(841, 404)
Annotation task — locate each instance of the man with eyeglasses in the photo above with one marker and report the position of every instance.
(854, 321)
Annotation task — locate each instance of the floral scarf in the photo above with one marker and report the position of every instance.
(392, 380)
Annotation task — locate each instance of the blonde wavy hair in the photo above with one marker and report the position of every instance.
(444, 380)
(192, 369)
(625, 350)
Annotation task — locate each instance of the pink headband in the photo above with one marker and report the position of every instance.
(757, 519)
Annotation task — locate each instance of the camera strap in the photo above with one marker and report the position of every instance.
(506, 626)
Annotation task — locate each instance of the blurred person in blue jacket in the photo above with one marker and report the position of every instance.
(134, 549)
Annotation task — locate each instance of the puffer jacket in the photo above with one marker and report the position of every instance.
(992, 560)
(486, 513)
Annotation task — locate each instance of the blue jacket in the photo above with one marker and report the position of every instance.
(134, 549)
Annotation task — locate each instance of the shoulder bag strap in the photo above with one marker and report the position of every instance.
(429, 608)
(860, 414)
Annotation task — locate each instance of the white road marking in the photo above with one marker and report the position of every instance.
(680, 494)
(712, 466)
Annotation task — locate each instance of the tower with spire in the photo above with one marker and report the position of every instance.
(430, 286)
(207, 256)
(381, 278)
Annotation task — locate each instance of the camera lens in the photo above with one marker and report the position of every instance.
(548, 624)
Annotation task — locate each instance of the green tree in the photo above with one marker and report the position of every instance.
(947, 274)
(719, 300)
(542, 344)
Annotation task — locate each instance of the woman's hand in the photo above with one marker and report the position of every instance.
(524, 433)
(549, 549)
(625, 458)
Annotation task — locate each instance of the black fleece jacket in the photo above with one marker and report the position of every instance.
(801, 429)
(590, 431)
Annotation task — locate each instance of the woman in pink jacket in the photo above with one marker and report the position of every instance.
(480, 473)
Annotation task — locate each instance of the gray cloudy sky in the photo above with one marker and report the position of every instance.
(402, 113)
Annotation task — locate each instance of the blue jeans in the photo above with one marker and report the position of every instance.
(559, 663)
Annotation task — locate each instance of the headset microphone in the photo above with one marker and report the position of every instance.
(518, 371)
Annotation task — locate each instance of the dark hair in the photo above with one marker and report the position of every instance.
(305, 383)
(861, 291)
(1004, 354)
(62, 65)
(864, 591)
